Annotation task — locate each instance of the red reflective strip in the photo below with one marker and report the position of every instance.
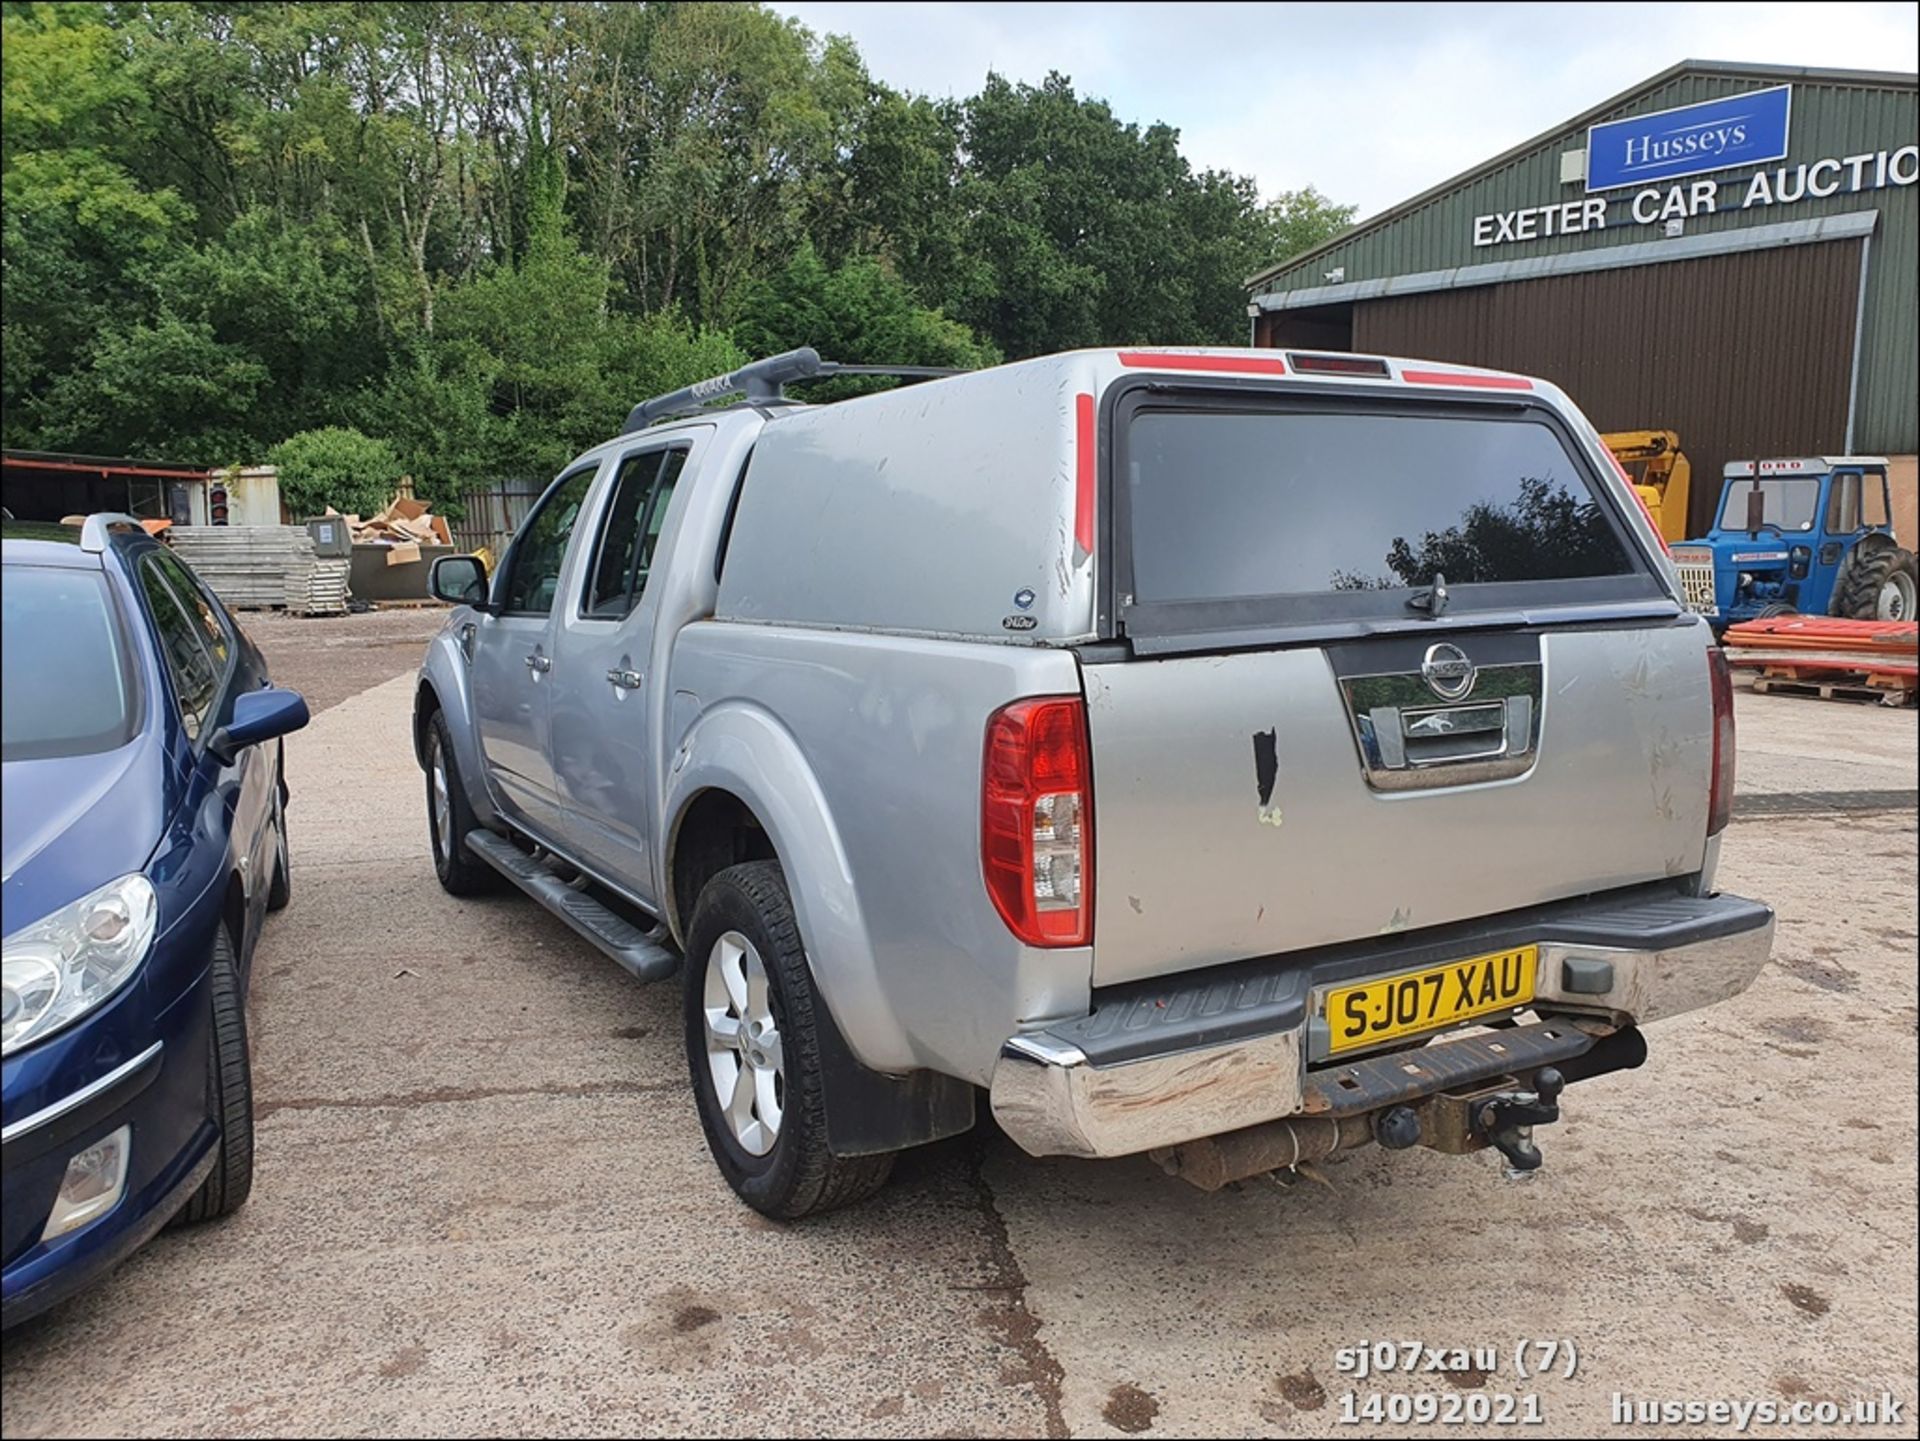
(1083, 483)
(1475, 382)
(1242, 364)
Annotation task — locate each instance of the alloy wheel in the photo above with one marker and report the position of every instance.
(745, 1062)
(441, 803)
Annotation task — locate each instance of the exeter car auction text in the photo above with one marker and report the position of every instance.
(1782, 185)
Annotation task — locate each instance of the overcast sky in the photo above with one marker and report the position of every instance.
(1370, 103)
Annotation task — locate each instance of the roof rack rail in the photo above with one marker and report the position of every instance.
(763, 382)
(98, 527)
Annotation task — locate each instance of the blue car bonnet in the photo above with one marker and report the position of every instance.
(71, 823)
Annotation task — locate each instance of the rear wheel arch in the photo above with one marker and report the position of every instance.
(869, 1111)
(715, 829)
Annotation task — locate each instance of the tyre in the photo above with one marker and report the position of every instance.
(450, 818)
(1878, 585)
(280, 888)
(229, 1094)
(1778, 608)
(753, 1051)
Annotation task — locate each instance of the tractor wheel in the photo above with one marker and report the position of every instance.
(1777, 609)
(1879, 585)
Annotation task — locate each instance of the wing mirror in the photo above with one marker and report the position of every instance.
(258, 715)
(459, 580)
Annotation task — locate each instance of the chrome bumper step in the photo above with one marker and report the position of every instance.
(633, 949)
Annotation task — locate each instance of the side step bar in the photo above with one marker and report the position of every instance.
(632, 948)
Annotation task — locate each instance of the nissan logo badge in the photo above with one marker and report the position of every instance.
(1447, 671)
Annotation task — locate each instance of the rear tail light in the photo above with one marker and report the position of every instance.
(1036, 820)
(1720, 802)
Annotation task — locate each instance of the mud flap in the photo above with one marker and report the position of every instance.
(870, 1112)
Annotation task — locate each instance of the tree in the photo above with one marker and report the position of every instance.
(335, 466)
(1078, 229)
(480, 231)
(860, 313)
(1295, 221)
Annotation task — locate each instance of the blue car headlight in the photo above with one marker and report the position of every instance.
(57, 969)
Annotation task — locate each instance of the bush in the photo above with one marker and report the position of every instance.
(333, 466)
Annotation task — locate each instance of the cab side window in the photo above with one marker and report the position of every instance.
(630, 532)
(1873, 500)
(533, 570)
(196, 679)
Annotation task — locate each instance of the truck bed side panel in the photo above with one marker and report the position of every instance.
(892, 731)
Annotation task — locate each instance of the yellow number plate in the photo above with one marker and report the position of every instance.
(1404, 1005)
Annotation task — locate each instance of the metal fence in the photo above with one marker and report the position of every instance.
(493, 515)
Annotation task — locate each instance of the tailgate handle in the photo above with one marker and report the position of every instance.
(1448, 735)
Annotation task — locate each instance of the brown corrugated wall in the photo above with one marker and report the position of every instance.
(1743, 355)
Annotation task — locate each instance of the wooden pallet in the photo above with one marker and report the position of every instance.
(1890, 689)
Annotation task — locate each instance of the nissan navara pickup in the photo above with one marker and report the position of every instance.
(1232, 756)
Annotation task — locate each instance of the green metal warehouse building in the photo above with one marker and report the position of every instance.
(1731, 252)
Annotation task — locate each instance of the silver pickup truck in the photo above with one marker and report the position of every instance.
(1233, 756)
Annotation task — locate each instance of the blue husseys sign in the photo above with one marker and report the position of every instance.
(1748, 129)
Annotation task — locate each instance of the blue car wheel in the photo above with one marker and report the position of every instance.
(229, 1094)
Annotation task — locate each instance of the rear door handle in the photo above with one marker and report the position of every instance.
(624, 679)
(540, 663)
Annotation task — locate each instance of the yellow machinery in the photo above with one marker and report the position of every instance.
(1660, 474)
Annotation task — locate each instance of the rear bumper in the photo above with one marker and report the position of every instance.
(1194, 1055)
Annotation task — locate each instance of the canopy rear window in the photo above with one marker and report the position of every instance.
(1316, 512)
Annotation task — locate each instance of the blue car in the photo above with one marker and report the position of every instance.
(144, 836)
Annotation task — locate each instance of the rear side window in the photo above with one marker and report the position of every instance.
(195, 677)
(1239, 504)
(630, 532)
(65, 686)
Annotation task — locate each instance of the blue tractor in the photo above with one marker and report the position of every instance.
(1810, 536)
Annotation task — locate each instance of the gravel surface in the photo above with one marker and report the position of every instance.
(328, 658)
(483, 1203)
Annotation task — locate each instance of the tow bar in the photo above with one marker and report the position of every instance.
(1499, 1111)
(1508, 1119)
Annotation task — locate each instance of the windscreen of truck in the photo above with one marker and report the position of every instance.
(1348, 513)
(1790, 502)
(65, 686)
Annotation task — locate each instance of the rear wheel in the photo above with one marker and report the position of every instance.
(753, 1050)
(1879, 585)
(450, 818)
(229, 1094)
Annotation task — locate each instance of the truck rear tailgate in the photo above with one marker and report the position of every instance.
(1234, 816)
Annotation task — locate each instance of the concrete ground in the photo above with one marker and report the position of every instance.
(483, 1203)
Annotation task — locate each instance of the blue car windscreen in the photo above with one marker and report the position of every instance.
(65, 686)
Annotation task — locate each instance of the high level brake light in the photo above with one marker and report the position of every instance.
(1036, 820)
